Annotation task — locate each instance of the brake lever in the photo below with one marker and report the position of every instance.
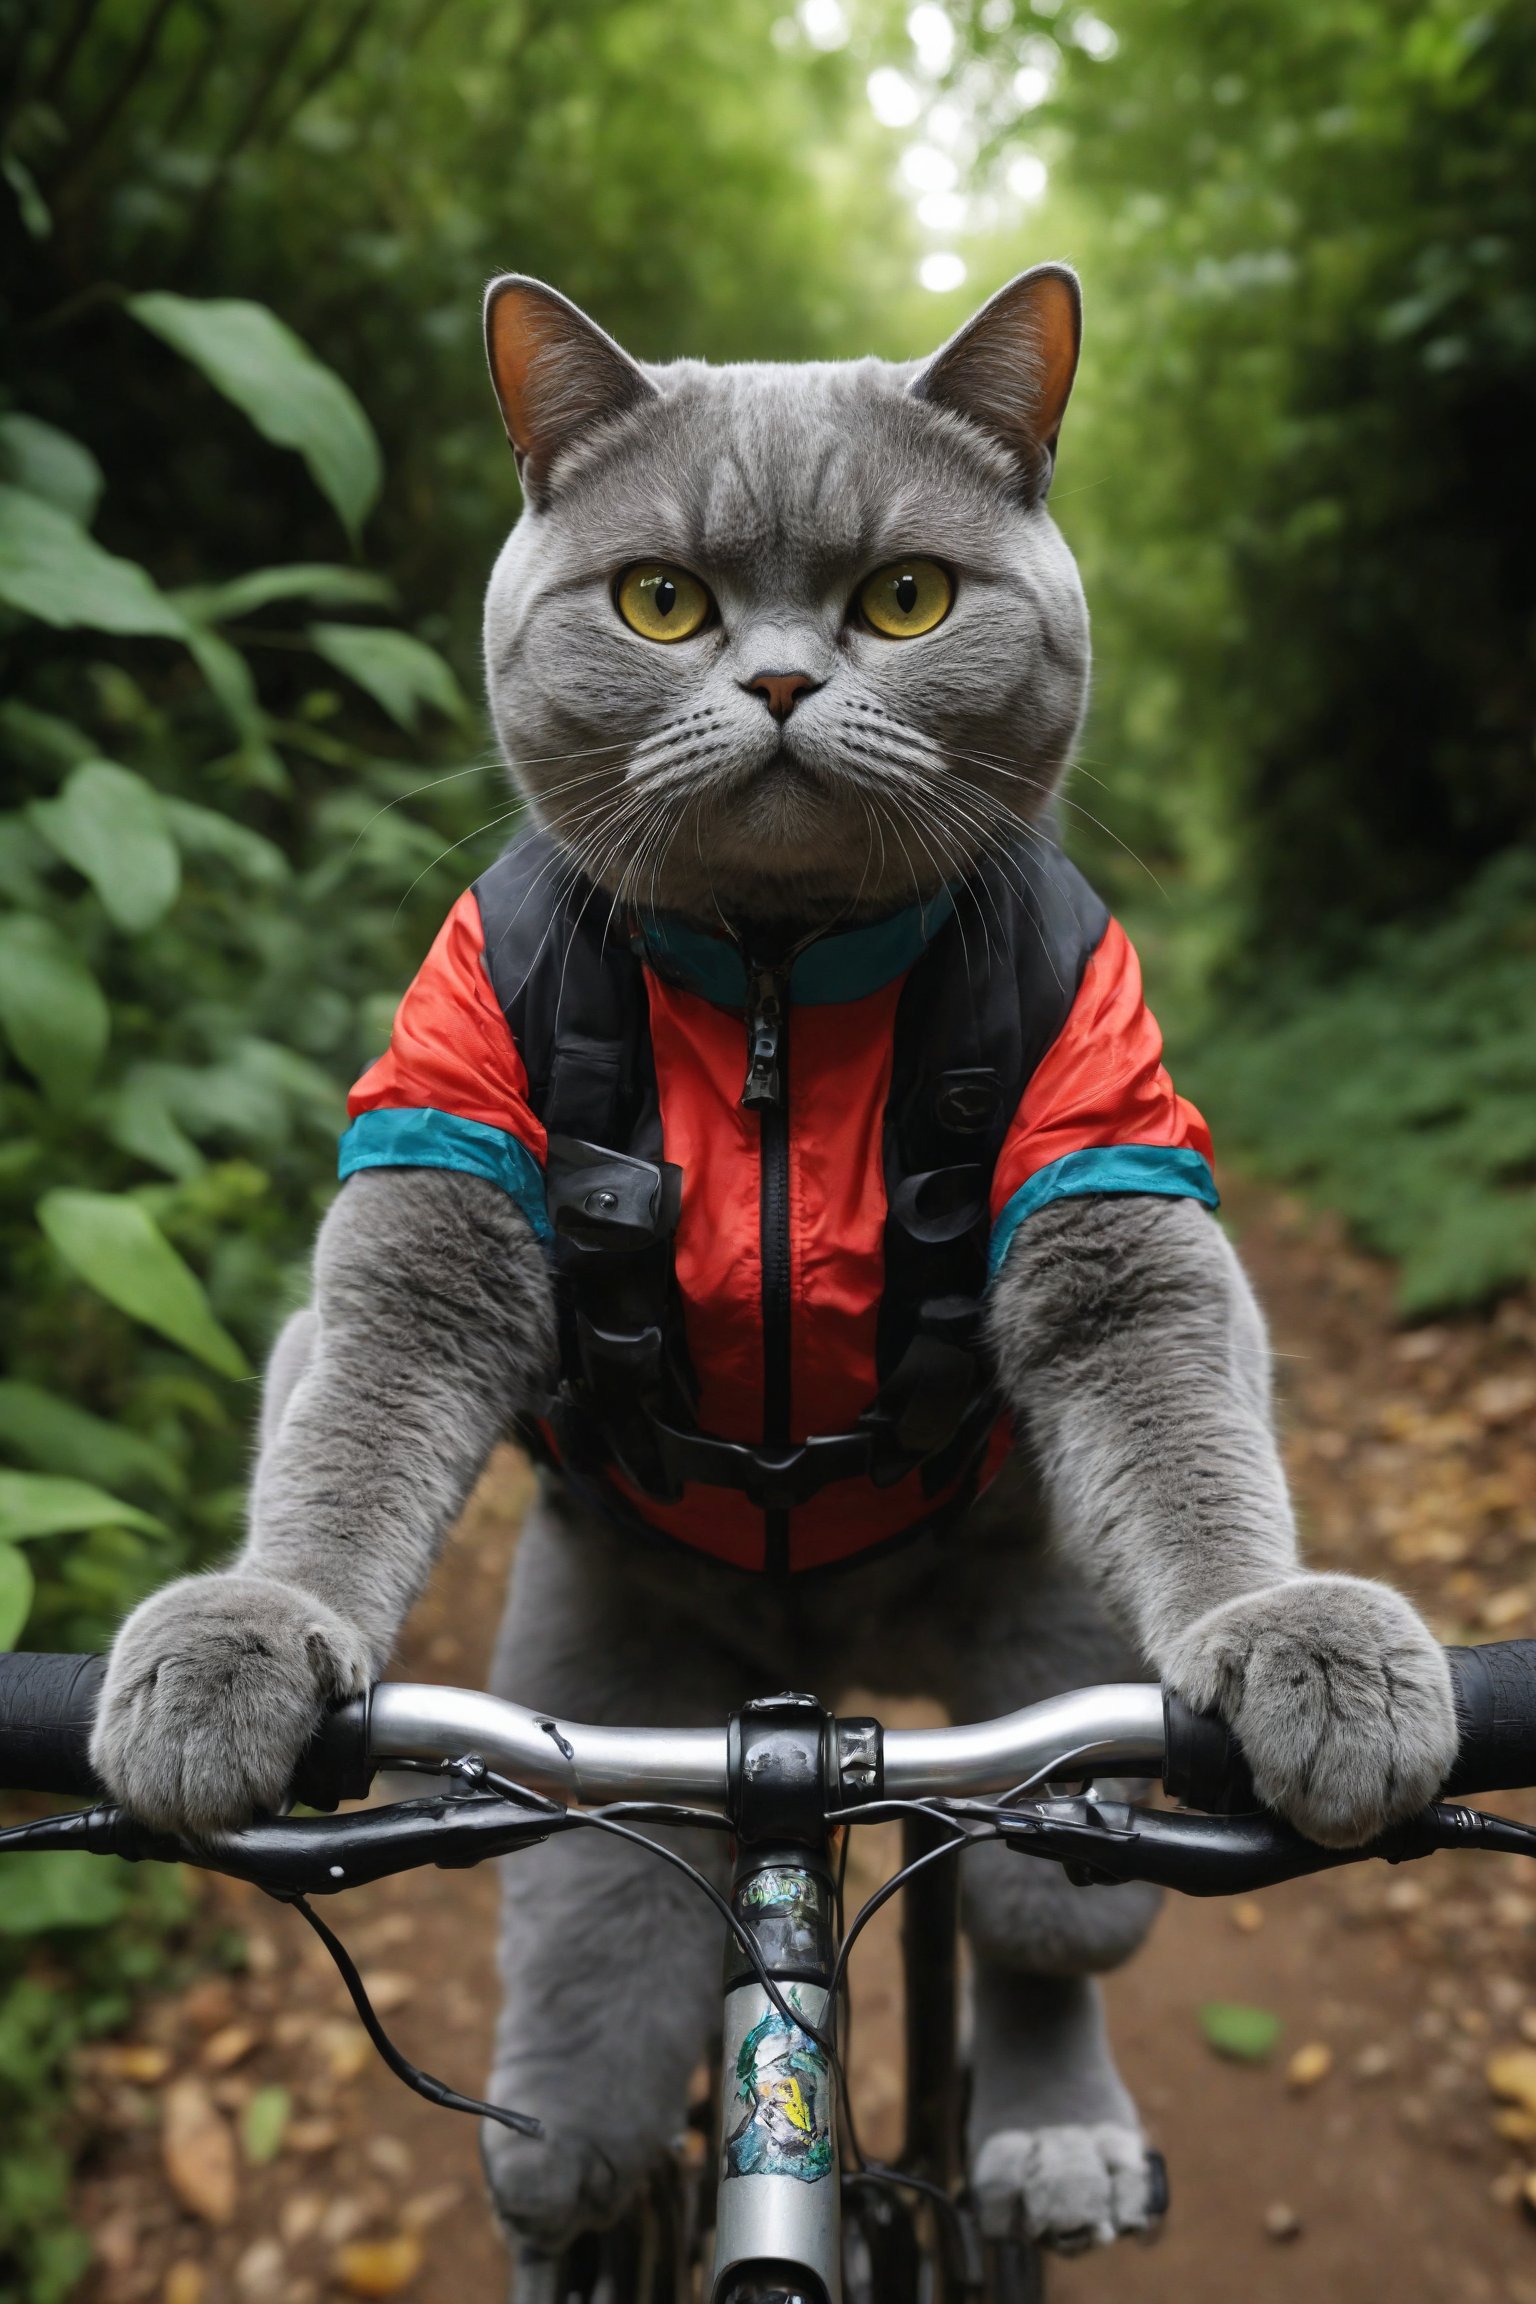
(312, 1855)
(1103, 1842)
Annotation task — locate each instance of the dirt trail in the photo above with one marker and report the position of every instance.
(303, 2172)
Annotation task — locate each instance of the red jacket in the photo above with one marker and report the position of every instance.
(781, 1296)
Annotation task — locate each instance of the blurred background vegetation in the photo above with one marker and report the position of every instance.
(251, 481)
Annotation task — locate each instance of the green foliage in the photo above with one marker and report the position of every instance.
(1405, 1095)
(291, 397)
(241, 787)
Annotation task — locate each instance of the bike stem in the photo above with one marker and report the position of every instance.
(778, 2236)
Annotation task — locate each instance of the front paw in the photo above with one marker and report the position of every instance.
(1339, 1694)
(547, 2189)
(213, 1688)
(1069, 2188)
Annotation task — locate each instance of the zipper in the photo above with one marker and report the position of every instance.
(766, 1092)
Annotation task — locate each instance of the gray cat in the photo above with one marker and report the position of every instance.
(734, 696)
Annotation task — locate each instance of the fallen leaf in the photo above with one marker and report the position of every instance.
(429, 2208)
(198, 2150)
(1512, 2074)
(229, 2046)
(184, 2284)
(347, 2049)
(210, 2003)
(299, 2216)
(388, 1989)
(311, 2136)
(1309, 2065)
(261, 1954)
(129, 2060)
(391, 2155)
(260, 2273)
(379, 2267)
(264, 2125)
(1515, 2124)
(1403, 1897)
(1527, 2024)
(1374, 2062)
(1281, 2222)
(1247, 1918)
(1502, 1399)
(1504, 1608)
(1246, 2034)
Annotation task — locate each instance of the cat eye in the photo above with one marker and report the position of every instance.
(908, 597)
(661, 602)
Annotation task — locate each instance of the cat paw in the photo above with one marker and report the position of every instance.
(1339, 1694)
(547, 2189)
(213, 1689)
(1064, 2188)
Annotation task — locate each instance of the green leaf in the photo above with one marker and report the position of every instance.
(17, 1586)
(328, 587)
(55, 1435)
(206, 832)
(59, 1888)
(264, 2123)
(42, 740)
(1248, 2035)
(39, 1504)
(112, 827)
(271, 375)
(51, 569)
(47, 462)
(399, 672)
(33, 208)
(140, 1122)
(117, 1248)
(53, 1011)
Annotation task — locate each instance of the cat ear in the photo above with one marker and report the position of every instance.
(1011, 366)
(554, 370)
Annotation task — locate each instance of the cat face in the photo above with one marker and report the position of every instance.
(785, 644)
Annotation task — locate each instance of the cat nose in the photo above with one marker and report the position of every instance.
(781, 691)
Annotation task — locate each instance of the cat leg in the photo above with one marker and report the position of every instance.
(289, 1358)
(610, 1959)
(1054, 2143)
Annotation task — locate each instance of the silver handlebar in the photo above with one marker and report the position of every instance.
(1119, 1729)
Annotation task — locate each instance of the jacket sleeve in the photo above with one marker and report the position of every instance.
(1100, 1113)
(451, 1090)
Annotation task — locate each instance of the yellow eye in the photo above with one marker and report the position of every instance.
(661, 602)
(909, 597)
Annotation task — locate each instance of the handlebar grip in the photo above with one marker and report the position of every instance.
(47, 1709)
(1494, 1687)
(1495, 1691)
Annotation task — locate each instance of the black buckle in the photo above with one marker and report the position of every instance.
(774, 1480)
(605, 1200)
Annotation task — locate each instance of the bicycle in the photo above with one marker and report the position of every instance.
(780, 2218)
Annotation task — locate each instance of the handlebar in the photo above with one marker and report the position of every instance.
(48, 1705)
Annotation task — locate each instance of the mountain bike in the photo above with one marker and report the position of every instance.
(786, 2210)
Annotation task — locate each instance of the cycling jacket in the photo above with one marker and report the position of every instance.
(772, 1187)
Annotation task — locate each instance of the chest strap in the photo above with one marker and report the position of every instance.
(625, 1402)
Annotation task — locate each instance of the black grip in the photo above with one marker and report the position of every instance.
(1495, 1691)
(47, 1709)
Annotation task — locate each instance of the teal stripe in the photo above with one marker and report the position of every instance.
(1163, 1168)
(425, 1138)
(847, 964)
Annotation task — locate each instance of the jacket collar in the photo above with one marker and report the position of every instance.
(844, 964)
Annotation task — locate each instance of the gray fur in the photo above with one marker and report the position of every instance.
(782, 488)
(1143, 1524)
(1127, 1335)
(432, 1313)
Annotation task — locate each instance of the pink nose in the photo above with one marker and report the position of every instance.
(781, 691)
